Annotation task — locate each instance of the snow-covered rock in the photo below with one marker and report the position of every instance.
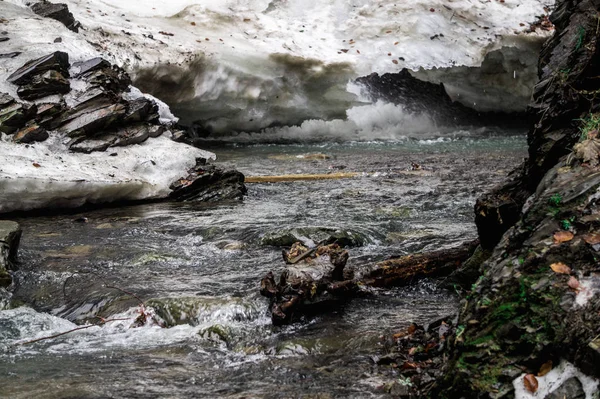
(248, 64)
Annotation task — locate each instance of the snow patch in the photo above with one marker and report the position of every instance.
(554, 379)
(46, 175)
(245, 65)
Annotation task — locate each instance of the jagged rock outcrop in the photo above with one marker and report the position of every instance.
(99, 116)
(10, 236)
(537, 304)
(421, 97)
(564, 97)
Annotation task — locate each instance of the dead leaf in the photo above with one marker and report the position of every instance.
(412, 328)
(560, 268)
(531, 383)
(573, 283)
(563, 236)
(588, 151)
(395, 44)
(409, 366)
(545, 369)
(592, 239)
(37, 165)
(395, 61)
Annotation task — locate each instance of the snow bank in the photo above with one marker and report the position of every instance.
(46, 175)
(249, 64)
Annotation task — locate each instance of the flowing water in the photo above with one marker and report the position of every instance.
(198, 268)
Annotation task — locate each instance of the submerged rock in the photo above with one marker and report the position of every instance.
(57, 11)
(10, 236)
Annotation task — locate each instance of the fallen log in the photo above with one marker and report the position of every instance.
(314, 278)
(407, 269)
(301, 177)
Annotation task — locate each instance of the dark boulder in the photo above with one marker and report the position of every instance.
(10, 236)
(57, 11)
(30, 134)
(46, 84)
(207, 183)
(141, 109)
(57, 61)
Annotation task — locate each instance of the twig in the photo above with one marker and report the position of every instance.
(103, 321)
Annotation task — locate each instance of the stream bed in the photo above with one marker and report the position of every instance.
(198, 268)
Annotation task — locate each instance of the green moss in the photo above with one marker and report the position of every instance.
(589, 124)
(580, 38)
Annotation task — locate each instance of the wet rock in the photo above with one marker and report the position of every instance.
(10, 236)
(31, 134)
(112, 78)
(57, 61)
(91, 121)
(216, 333)
(134, 134)
(49, 83)
(571, 389)
(207, 183)
(99, 144)
(5, 100)
(179, 136)
(312, 235)
(57, 11)
(141, 109)
(500, 209)
(82, 67)
(15, 116)
(47, 112)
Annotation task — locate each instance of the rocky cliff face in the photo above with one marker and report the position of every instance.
(536, 309)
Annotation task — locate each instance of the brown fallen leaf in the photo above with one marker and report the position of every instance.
(560, 268)
(409, 366)
(37, 165)
(545, 369)
(395, 44)
(588, 151)
(573, 283)
(592, 239)
(531, 383)
(563, 236)
(395, 61)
